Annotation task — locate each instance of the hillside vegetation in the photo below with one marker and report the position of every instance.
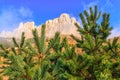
(99, 58)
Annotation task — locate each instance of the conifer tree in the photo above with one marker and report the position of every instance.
(25, 61)
(99, 59)
(97, 64)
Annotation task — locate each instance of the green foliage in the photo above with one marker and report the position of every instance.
(25, 62)
(57, 60)
(101, 54)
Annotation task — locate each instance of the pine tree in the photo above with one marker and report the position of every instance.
(96, 61)
(25, 61)
(57, 60)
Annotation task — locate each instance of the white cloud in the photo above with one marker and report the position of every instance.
(91, 4)
(25, 12)
(116, 30)
(23, 27)
(107, 5)
(11, 17)
(103, 5)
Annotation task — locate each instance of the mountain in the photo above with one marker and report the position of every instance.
(64, 24)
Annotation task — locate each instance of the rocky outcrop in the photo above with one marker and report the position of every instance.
(63, 24)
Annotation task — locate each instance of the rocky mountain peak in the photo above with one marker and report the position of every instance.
(63, 24)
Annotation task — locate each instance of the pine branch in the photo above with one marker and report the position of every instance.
(42, 39)
(22, 40)
(15, 43)
(36, 39)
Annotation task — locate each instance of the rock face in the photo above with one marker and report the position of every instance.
(64, 24)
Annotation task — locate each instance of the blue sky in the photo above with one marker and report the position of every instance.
(12, 12)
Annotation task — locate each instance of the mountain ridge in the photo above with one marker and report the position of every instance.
(64, 24)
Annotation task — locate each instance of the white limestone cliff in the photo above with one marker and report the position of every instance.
(64, 24)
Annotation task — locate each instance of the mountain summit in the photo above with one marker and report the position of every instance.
(64, 24)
